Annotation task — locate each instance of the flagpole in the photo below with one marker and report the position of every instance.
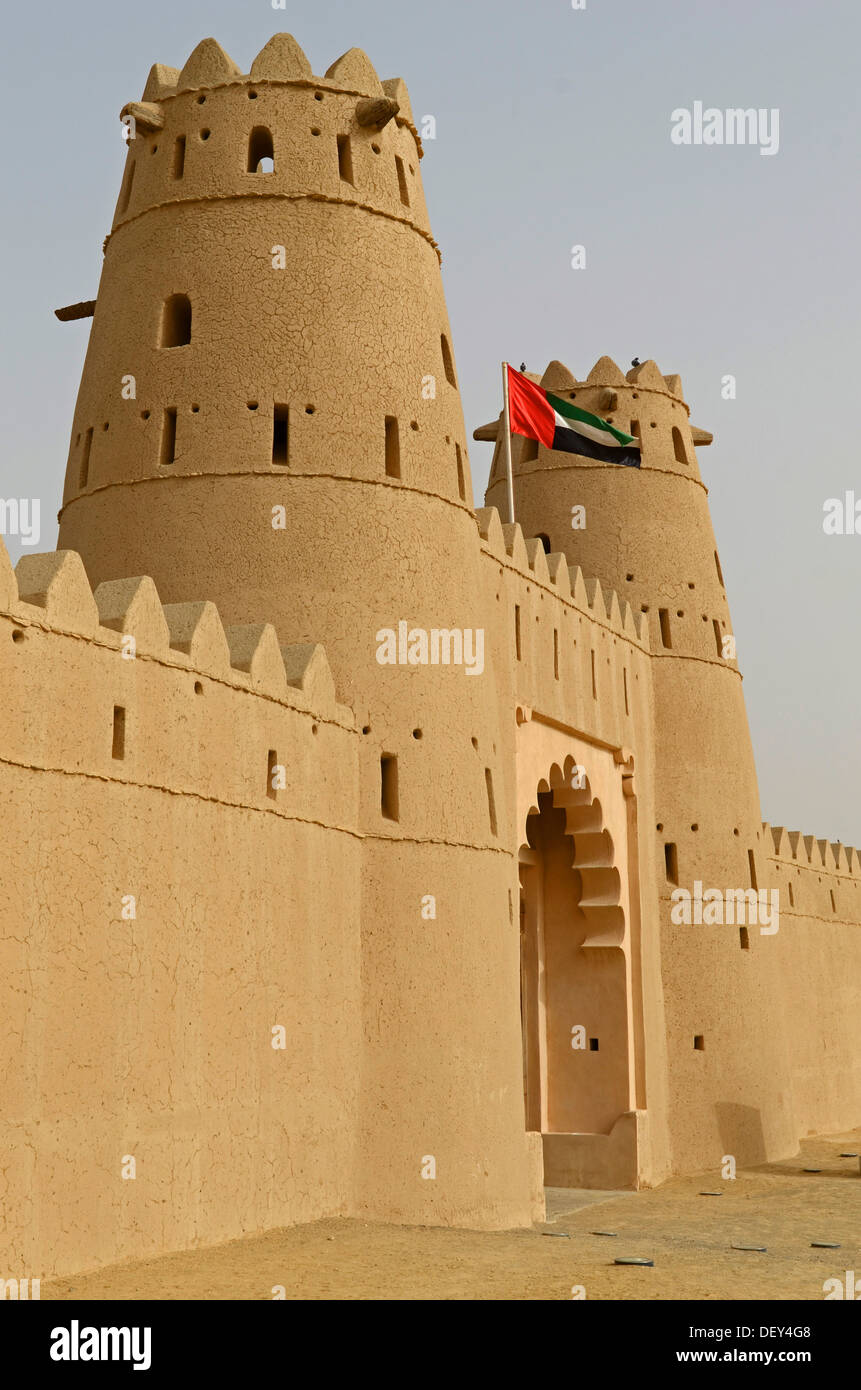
(506, 425)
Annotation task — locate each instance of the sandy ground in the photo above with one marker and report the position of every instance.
(688, 1236)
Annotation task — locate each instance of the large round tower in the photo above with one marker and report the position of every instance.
(269, 418)
(647, 534)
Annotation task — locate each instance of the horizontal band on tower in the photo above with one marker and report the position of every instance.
(281, 197)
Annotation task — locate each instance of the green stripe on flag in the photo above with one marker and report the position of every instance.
(574, 413)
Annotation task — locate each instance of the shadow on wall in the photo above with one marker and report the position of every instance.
(741, 1134)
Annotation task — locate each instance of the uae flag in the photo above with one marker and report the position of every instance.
(558, 424)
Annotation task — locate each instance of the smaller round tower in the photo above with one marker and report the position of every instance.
(646, 532)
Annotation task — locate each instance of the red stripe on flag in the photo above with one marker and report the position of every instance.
(530, 411)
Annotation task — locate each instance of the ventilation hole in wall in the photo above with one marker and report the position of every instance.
(645, 608)
(252, 405)
(280, 435)
(17, 635)
(175, 321)
(491, 803)
(345, 158)
(366, 729)
(751, 864)
(205, 134)
(414, 424)
(594, 682)
(84, 470)
(556, 653)
(376, 149)
(735, 830)
(118, 745)
(393, 448)
(474, 742)
(260, 150)
(671, 863)
(653, 424)
(791, 896)
(417, 733)
(144, 414)
(545, 541)
(389, 786)
(153, 149)
(679, 446)
(517, 646)
(447, 361)
(315, 130)
(461, 482)
(699, 1042)
(252, 96)
(629, 577)
(318, 96)
(659, 826)
(195, 410)
(593, 1044)
(201, 101)
(695, 826)
(625, 687)
(271, 764)
(719, 571)
(833, 902)
(680, 613)
(691, 584)
(636, 395)
(664, 620)
(309, 409)
(177, 167)
(167, 454)
(126, 189)
(402, 181)
(198, 687)
(744, 938)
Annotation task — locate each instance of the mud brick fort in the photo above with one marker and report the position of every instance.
(227, 821)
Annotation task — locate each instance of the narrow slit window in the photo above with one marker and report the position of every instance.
(593, 1045)
(393, 448)
(261, 151)
(699, 1042)
(281, 435)
(389, 803)
(594, 679)
(345, 158)
(118, 746)
(126, 189)
(491, 803)
(402, 181)
(719, 570)
(791, 896)
(517, 647)
(85, 458)
(664, 619)
(175, 321)
(718, 637)
(555, 653)
(635, 429)
(168, 436)
(625, 687)
(271, 779)
(751, 864)
(671, 863)
(178, 166)
(461, 482)
(679, 446)
(744, 938)
(833, 900)
(447, 361)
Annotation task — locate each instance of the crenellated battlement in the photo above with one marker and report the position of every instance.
(209, 132)
(567, 582)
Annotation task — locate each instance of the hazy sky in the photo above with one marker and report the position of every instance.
(553, 128)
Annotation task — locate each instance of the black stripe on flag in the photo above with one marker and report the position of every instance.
(570, 442)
